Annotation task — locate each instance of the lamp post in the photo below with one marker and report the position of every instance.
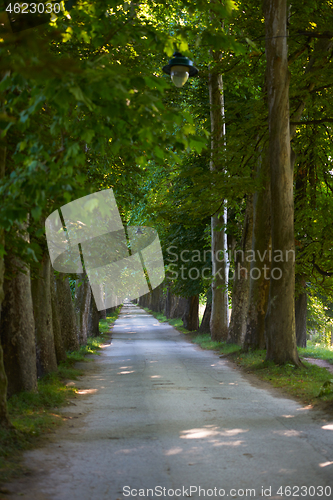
(180, 68)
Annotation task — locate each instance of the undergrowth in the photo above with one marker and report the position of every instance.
(36, 414)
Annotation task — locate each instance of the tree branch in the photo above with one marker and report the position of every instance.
(313, 122)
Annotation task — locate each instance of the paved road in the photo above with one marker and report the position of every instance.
(162, 413)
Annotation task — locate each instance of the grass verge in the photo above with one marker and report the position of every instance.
(317, 351)
(304, 384)
(34, 415)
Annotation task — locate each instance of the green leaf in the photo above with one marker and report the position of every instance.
(36, 212)
(88, 135)
(79, 96)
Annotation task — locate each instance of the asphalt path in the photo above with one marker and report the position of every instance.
(157, 417)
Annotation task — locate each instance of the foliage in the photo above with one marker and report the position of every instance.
(319, 319)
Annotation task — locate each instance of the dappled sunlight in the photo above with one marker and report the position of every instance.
(289, 433)
(209, 431)
(173, 451)
(325, 464)
(328, 427)
(215, 442)
(155, 376)
(125, 372)
(288, 416)
(87, 391)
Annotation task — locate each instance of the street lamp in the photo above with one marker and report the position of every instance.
(180, 68)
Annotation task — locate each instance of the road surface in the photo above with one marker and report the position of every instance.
(157, 417)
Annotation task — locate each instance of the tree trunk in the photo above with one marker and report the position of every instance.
(102, 314)
(179, 309)
(168, 302)
(220, 309)
(93, 321)
(155, 298)
(205, 323)
(4, 419)
(82, 306)
(67, 318)
(41, 299)
(261, 265)
(56, 328)
(99, 290)
(18, 328)
(280, 318)
(191, 315)
(241, 284)
(300, 318)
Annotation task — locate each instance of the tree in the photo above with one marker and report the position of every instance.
(280, 319)
(42, 308)
(82, 306)
(18, 327)
(219, 318)
(56, 328)
(69, 330)
(241, 280)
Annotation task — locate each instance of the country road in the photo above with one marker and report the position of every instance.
(155, 411)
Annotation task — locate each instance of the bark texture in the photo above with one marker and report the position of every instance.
(280, 318)
(82, 306)
(178, 307)
(41, 299)
(56, 328)
(168, 302)
(18, 328)
(241, 281)
(93, 320)
(156, 298)
(67, 318)
(191, 315)
(220, 309)
(261, 266)
(300, 318)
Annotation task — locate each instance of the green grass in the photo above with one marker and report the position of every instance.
(304, 384)
(317, 351)
(34, 415)
(206, 342)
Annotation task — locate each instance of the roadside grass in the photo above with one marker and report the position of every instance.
(34, 415)
(304, 384)
(318, 351)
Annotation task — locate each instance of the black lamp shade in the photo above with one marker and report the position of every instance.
(180, 60)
